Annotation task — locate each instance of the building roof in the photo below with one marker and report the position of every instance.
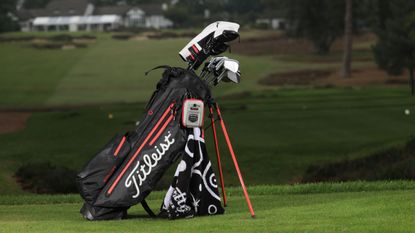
(66, 20)
(60, 8)
(24, 14)
(55, 8)
(116, 10)
(148, 9)
(151, 9)
(66, 7)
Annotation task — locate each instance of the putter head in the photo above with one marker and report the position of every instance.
(213, 40)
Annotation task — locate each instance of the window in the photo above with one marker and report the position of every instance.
(63, 27)
(82, 27)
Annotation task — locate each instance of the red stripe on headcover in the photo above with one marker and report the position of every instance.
(195, 48)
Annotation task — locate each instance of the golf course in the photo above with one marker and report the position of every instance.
(61, 100)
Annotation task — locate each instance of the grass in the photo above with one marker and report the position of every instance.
(267, 124)
(382, 210)
(28, 76)
(277, 134)
(112, 71)
(266, 129)
(258, 190)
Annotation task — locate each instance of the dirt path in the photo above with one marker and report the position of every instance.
(13, 121)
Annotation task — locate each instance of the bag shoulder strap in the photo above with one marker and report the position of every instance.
(147, 209)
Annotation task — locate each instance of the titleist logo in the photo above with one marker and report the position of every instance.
(140, 172)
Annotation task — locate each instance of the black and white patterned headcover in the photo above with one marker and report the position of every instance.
(194, 190)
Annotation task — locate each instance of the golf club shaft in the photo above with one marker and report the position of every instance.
(210, 78)
(203, 73)
(221, 76)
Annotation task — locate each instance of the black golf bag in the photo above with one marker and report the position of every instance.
(127, 169)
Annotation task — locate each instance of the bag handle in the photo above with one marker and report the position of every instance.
(157, 67)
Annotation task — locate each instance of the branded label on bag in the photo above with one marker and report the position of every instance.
(140, 172)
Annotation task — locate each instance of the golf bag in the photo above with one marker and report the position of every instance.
(127, 169)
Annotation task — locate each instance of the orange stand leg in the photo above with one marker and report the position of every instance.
(222, 183)
(235, 162)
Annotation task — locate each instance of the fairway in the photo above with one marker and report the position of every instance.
(278, 209)
(112, 71)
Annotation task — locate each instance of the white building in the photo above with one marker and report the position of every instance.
(78, 15)
(273, 23)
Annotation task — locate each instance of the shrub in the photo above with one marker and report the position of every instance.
(122, 36)
(390, 164)
(46, 178)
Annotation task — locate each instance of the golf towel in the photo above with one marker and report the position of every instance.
(194, 189)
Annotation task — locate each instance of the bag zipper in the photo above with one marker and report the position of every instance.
(162, 129)
(154, 113)
(119, 146)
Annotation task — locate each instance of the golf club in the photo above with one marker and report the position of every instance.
(219, 68)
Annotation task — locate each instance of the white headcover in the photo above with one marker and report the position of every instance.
(216, 28)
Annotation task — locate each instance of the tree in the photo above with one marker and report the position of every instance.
(320, 21)
(33, 4)
(348, 39)
(394, 51)
(130, 2)
(382, 13)
(6, 22)
(180, 16)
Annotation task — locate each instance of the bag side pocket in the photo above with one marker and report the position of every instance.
(100, 168)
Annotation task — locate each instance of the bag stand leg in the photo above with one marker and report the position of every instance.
(215, 138)
(235, 162)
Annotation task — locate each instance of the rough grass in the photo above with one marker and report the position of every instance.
(391, 163)
(366, 210)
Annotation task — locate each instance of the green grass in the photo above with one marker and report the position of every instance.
(28, 76)
(112, 71)
(258, 190)
(276, 135)
(364, 210)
